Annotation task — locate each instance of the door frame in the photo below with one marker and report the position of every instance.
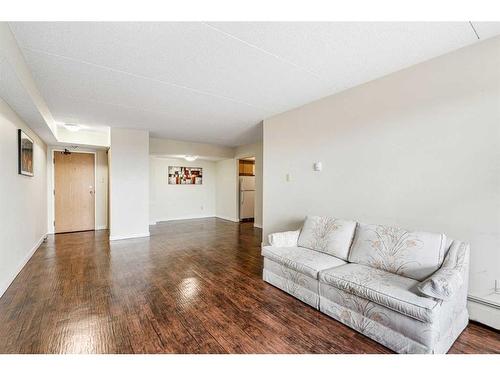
(238, 197)
(52, 165)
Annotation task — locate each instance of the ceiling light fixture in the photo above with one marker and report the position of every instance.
(72, 127)
(190, 157)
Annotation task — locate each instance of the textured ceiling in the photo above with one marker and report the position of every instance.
(214, 82)
(14, 93)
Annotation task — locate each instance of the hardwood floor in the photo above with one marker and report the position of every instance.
(192, 287)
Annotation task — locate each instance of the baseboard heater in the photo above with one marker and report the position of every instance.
(484, 302)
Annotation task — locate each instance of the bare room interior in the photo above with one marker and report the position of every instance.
(250, 187)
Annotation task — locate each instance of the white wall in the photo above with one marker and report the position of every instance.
(23, 216)
(84, 137)
(129, 183)
(226, 178)
(174, 202)
(101, 187)
(162, 146)
(419, 148)
(227, 192)
(227, 202)
(102, 190)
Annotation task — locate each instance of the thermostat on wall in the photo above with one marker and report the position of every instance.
(317, 166)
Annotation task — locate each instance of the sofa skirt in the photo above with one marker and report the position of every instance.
(301, 286)
(372, 329)
(390, 328)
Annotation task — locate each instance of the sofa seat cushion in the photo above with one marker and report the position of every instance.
(306, 261)
(392, 291)
(416, 255)
(328, 235)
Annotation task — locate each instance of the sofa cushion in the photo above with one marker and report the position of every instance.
(306, 261)
(411, 254)
(328, 235)
(392, 291)
(284, 239)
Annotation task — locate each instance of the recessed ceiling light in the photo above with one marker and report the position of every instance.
(190, 157)
(72, 127)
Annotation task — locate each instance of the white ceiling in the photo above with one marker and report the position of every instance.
(214, 82)
(12, 90)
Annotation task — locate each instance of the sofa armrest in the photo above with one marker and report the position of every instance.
(284, 239)
(443, 284)
(447, 281)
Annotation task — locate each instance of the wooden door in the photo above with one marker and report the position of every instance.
(74, 192)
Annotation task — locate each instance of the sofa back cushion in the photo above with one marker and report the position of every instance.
(416, 255)
(328, 235)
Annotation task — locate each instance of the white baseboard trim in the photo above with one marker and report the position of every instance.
(128, 236)
(185, 218)
(227, 218)
(21, 265)
(152, 222)
(483, 312)
(101, 227)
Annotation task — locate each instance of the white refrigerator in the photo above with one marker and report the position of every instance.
(247, 197)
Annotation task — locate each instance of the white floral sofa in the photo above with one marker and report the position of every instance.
(405, 290)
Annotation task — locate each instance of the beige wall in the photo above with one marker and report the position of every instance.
(226, 175)
(84, 137)
(227, 201)
(226, 198)
(175, 202)
(419, 148)
(160, 146)
(102, 190)
(128, 184)
(23, 218)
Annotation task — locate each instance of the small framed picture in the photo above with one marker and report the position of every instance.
(25, 147)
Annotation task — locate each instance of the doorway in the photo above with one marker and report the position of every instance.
(74, 191)
(247, 189)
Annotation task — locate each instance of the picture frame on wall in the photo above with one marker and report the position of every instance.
(185, 175)
(25, 154)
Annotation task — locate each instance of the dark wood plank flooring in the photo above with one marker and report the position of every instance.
(192, 287)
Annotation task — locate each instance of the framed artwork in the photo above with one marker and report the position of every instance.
(25, 152)
(185, 176)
